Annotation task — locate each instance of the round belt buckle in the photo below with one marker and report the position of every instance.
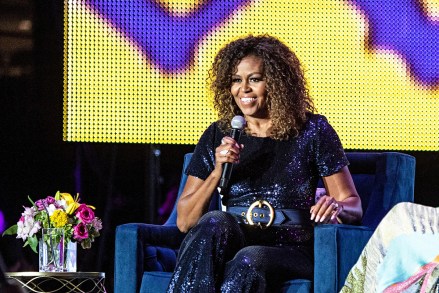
(260, 204)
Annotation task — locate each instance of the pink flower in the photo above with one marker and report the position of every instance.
(80, 232)
(85, 214)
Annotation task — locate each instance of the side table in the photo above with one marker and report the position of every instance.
(78, 282)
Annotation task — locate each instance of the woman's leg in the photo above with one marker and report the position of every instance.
(265, 268)
(204, 252)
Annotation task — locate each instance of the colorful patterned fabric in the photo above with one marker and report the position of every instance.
(402, 255)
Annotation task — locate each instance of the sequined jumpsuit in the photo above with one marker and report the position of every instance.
(221, 255)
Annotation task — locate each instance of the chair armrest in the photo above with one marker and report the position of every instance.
(143, 247)
(336, 249)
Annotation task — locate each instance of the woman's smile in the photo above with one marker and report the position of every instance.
(247, 100)
(249, 87)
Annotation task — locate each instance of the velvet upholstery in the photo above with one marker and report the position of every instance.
(145, 254)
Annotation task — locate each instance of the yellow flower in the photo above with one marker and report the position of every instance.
(59, 218)
(72, 204)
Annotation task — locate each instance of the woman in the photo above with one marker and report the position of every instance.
(283, 151)
(402, 255)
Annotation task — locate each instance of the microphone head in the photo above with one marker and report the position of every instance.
(238, 122)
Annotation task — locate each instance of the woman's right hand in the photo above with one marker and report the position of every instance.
(195, 198)
(227, 152)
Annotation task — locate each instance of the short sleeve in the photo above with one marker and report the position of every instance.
(330, 155)
(203, 158)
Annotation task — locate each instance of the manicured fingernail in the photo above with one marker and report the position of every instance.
(312, 216)
(322, 219)
(317, 218)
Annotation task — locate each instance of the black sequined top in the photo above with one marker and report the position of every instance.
(285, 173)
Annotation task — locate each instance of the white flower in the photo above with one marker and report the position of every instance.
(23, 229)
(35, 228)
(27, 226)
(50, 209)
(29, 212)
(20, 233)
(62, 203)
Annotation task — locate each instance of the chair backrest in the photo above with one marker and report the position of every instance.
(382, 179)
(172, 219)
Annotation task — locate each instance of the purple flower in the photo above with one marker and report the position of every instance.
(85, 214)
(44, 203)
(97, 224)
(80, 232)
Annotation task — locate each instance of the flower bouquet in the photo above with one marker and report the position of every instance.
(57, 224)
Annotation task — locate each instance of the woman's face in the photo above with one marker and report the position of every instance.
(248, 87)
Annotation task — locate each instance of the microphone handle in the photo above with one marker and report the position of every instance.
(235, 133)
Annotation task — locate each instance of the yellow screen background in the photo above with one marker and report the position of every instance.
(114, 93)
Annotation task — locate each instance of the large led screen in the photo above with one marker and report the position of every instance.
(135, 70)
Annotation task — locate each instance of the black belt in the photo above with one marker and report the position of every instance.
(262, 214)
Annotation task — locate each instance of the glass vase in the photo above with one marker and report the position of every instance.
(55, 254)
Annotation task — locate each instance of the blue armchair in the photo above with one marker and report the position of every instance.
(145, 254)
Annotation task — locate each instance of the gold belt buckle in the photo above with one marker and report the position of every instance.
(250, 215)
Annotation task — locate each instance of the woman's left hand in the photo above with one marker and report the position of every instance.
(326, 210)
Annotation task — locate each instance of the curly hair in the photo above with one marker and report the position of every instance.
(288, 100)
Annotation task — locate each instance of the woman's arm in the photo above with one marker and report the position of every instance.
(195, 200)
(341, 201)
(197, 193)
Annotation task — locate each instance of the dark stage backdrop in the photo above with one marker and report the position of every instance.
(117, 178)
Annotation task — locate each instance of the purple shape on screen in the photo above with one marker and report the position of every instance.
(169, 41)
(2, 222)
(403, 26)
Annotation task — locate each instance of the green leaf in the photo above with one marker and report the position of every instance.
(32, 202)
(33, 243)
(43, 218)
(58, 195)
(11, 230)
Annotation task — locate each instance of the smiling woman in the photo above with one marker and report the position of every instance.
(248, 89)
(251, 77)
(287, 149)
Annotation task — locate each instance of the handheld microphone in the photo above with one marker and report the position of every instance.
(238, 124)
